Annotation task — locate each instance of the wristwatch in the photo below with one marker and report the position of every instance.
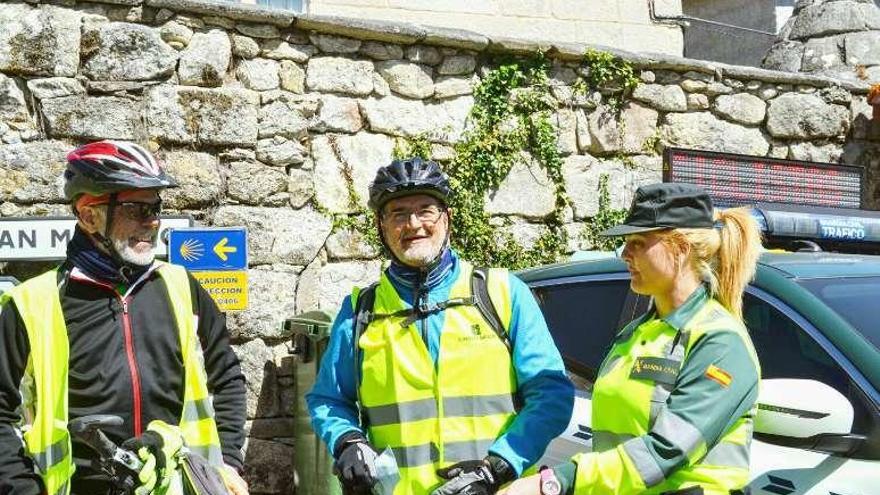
(549, 483)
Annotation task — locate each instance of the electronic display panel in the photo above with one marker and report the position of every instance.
(734, 180)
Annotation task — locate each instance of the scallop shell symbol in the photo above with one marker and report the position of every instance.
(192, 249)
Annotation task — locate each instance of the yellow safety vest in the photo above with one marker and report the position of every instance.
(45, 420)
(434, 415)
(718, 468)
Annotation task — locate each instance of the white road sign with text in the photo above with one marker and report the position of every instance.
(46, 238)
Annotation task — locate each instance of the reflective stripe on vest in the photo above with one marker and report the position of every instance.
(418, 410)
(432, 416)
(54, 454)
(639, 407)
(46, 439)
(429, 453)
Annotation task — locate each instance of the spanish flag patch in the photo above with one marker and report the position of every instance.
(719, 375)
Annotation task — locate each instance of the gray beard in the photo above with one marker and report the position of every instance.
(129, 255)
(421, 256)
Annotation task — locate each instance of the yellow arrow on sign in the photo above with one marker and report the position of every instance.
(221, 249)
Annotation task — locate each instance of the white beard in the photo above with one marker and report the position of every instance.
(129, 255)
(421, 255)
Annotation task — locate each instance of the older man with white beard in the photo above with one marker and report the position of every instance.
(449, 366)
(113, 331)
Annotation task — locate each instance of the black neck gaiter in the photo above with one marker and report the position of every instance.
(86, 256)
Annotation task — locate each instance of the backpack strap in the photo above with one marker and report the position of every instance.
(363, 315)
(480, 292)
(363, 310)
(479, 298)
(484, 303)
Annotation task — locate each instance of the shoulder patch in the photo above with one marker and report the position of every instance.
(718, 375)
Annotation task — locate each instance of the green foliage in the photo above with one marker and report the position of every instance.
(609, 74)
(652, 143)
(417, 146)
(605, 218)
(626, 160)
(607, 71)
(511, 115)
(361, 221)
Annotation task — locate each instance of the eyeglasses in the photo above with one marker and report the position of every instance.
(139, 210)
(427, 215)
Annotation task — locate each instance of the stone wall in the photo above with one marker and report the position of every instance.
(624, 24)
(833, 38)
(263, 117)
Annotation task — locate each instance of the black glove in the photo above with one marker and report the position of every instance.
(483, 477)
(355, 464)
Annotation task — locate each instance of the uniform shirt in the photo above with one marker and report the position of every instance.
(695, 398)
(545, 391)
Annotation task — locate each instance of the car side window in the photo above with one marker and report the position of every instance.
(785, 350)
(583, 318)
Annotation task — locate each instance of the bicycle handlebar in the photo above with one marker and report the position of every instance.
(122, 466)
(119, 464)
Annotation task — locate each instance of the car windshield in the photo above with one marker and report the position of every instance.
(854, 298)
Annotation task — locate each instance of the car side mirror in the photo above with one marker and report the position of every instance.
(805, 414)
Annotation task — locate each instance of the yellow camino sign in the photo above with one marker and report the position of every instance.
(217, 258)
(227, 288)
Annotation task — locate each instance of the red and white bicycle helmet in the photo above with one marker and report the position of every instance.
(107, 167)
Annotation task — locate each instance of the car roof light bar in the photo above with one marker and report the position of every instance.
(828, 224)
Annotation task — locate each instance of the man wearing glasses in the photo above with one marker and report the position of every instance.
(449, 367)
(112, 331)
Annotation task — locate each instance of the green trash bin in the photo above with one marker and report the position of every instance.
(310, 334)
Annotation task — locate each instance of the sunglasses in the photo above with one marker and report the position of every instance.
(139, 210)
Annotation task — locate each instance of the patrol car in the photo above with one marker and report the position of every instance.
(814, 318)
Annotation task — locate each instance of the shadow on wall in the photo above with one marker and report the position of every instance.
(866, 155)
(862, 149)
(269, 451)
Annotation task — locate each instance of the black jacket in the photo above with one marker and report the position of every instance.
(114, 370)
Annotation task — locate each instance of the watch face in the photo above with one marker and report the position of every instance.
(550, 487)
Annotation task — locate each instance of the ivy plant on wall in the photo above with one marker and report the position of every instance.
(510, 121)
(605, 218)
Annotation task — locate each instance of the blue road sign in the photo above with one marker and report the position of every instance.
(219, 248)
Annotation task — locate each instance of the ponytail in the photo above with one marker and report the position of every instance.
(737, 256)
(724, 257)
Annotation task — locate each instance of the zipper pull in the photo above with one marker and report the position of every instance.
(124, 307)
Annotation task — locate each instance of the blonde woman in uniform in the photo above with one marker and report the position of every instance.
(674, 401)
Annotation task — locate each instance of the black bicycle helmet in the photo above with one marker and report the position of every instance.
(405, 177)
(107, 167)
